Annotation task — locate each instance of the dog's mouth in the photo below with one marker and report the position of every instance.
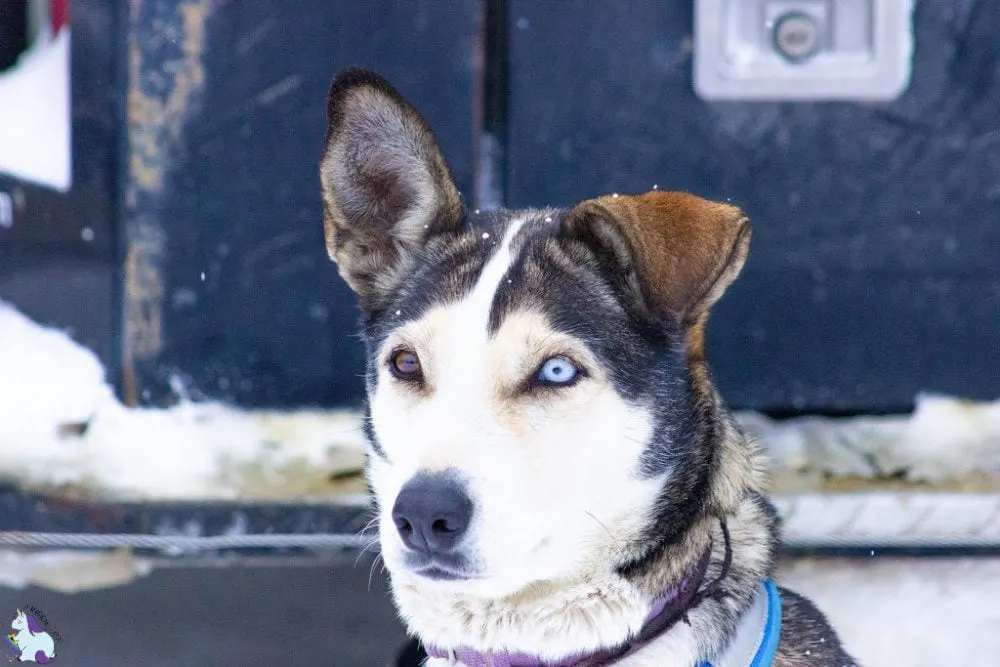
(440, 568)
(440, 573)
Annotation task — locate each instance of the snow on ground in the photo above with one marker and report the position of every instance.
(944, 438)
(61, 426)
(35, 114)
(70, 571)
(927, 612)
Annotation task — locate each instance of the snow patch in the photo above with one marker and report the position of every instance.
(47, 383)
(70, 571)
(61, 426)
(948, 436)
(944, 439)
(917, 612)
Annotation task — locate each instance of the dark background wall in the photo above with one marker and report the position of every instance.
(13, 32)
(875, 267)
(284, 611)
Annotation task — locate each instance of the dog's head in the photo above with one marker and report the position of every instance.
(536, 383)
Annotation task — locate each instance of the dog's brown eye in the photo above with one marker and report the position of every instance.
(405, 364)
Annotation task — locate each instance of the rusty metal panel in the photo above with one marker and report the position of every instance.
(228, 292)
(166, 44)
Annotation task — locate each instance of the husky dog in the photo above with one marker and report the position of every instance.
(557, 480)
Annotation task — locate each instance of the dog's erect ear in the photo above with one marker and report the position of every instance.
(679, 252)
(386, 186)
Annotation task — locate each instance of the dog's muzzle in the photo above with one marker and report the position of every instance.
(432, 514)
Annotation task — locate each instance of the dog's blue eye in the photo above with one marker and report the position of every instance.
(558, 370)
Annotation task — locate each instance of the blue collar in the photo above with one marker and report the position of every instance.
(756, 638)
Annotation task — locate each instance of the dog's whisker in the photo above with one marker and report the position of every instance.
(351, 429)
(371, 573)
(368, 526)
(366, 529)
(372, 545)
(599, 523)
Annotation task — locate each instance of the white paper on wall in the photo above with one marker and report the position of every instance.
(35, 114)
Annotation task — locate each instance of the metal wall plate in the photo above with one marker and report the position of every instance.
(806, 50)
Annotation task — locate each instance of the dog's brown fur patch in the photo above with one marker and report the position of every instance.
(687, 250)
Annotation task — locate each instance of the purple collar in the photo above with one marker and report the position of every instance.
(669, 608)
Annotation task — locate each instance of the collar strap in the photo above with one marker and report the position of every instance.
(666, 611)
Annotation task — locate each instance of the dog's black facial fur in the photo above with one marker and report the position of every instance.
(445, 270)
(692, 459)
(369, 429)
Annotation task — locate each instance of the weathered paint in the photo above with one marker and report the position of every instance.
(165, 47)
(229, 286)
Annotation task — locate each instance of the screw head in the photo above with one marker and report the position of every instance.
(797, 36)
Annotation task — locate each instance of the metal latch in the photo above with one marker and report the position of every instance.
(802, 49)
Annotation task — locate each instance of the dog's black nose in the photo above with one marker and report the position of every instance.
(432, 512)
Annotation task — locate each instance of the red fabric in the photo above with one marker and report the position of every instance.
(60, 15)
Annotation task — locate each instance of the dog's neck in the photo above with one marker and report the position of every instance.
(603, 609)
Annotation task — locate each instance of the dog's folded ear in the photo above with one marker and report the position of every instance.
(677, 252)
(386, 186)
